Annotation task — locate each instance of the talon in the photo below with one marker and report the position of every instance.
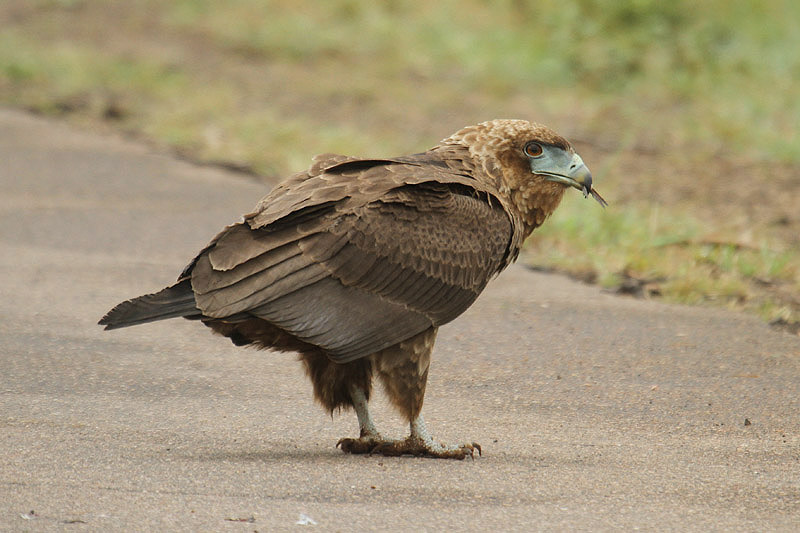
(354, 446)
(470, 448)
(345, 444)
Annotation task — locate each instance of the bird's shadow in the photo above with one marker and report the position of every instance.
(269, 455)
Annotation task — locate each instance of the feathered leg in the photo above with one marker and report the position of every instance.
(403, 368)
(334, 383)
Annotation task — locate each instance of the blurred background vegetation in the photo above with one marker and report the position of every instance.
(687, 112)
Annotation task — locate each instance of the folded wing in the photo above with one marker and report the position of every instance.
(359, 266)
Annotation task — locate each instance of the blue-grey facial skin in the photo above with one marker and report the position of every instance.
(558, 165)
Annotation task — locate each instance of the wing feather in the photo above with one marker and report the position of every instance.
(345, 321)
(375, 256)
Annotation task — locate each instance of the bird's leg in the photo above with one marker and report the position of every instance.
(365, 424)
(403, 368)
(419, 434)
(420, 443)
(369, 437)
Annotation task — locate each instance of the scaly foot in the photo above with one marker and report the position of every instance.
(409, 446)
(414, 445)
(419, 443)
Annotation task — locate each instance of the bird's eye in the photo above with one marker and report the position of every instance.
(533, 149)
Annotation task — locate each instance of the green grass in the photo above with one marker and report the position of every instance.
(717, 72)
(670, 254)
(697, 58)
(265, 84)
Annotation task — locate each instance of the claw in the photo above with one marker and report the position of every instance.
(475, 446)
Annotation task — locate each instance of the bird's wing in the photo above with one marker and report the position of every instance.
(360, 269)
(350, 181)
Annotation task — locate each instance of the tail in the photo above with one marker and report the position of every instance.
(174, 301)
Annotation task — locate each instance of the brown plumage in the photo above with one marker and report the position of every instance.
(355, 263)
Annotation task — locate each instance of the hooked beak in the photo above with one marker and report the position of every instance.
(575, 175)
(567, 168)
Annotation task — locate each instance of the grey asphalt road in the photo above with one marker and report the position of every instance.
(595, 412)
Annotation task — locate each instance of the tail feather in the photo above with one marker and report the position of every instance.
(174, 301)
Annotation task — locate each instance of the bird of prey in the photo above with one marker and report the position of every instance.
(355, 263)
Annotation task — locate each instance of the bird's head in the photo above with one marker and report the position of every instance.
(531, 164)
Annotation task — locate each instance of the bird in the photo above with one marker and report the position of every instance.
(355, 263)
